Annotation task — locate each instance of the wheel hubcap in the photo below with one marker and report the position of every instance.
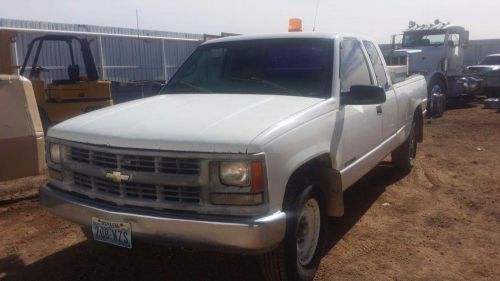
(308, 229)
(437, 101)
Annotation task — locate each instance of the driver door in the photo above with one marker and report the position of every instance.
(362, 128)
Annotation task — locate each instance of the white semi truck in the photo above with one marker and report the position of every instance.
(437, 52)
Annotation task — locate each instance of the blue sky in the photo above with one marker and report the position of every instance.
(377, 19)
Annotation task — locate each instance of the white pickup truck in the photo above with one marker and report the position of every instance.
(248, 149)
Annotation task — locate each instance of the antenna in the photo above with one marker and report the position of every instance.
(137, 21)
(315, 15)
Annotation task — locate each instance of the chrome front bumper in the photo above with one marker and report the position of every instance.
(242, 235)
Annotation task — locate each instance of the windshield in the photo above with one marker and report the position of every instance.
(301, 67)
(491, 60)
(424, 38)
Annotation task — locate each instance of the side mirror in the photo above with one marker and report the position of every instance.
(464, 39)
(363, 95)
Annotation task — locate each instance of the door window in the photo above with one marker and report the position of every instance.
(354, 68)
(454, 40)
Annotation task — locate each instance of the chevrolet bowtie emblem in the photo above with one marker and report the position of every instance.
(117, 176)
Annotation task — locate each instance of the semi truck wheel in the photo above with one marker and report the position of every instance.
(299, 255)
(403, 157)
(436, 99)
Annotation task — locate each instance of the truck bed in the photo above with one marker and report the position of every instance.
(397, 73)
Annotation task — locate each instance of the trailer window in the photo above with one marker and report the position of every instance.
(354, 68)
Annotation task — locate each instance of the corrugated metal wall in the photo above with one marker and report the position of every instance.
(121, 54)
(124, 54)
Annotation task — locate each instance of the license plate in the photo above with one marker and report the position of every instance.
(116, 233)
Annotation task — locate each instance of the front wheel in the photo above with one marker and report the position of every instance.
(298, 256)
(436, 99)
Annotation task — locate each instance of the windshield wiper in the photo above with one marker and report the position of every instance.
(269, 83)
(193, 87)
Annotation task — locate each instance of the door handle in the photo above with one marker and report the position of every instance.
(379, 110)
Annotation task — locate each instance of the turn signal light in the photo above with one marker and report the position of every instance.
(258, 181)
(243, 199)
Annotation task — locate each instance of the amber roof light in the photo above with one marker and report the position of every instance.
(295, 25)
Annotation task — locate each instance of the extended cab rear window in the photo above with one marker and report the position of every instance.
(377, 64)
(297, 66)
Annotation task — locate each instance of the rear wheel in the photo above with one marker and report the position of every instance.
(436, 100)
(403, 157)
(299, 255)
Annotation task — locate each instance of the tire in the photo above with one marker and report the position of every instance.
(436, 98)
(403, 157)
(469, 99)
(298, 256)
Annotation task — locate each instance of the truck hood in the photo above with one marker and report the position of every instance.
(428, 60)
(222, 123)
(482, 69)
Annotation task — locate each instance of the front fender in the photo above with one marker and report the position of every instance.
(292, 149)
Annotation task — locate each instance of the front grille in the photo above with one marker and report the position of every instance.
(137, 191)
(138, 163)
(103, 159)
(179, 166)
(135, 163)
(82, 180)
(159, 182)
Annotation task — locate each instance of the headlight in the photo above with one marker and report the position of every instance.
(235, 173)
(55, 153)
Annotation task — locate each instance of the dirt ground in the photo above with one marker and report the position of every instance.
(441, 222)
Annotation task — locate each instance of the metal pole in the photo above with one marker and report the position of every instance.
(101, 53)
(139, 48)
(16, 57)
(164, 60)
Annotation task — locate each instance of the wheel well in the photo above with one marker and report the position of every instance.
(317, 171)
(439, 76)
(307, 170)
(419, 118)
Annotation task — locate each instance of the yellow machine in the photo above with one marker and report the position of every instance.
(29, 107)
(62, 99)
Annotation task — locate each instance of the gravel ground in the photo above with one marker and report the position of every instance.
(441, 222)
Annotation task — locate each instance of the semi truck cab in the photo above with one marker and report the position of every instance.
(440, 58)
(442, 48)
